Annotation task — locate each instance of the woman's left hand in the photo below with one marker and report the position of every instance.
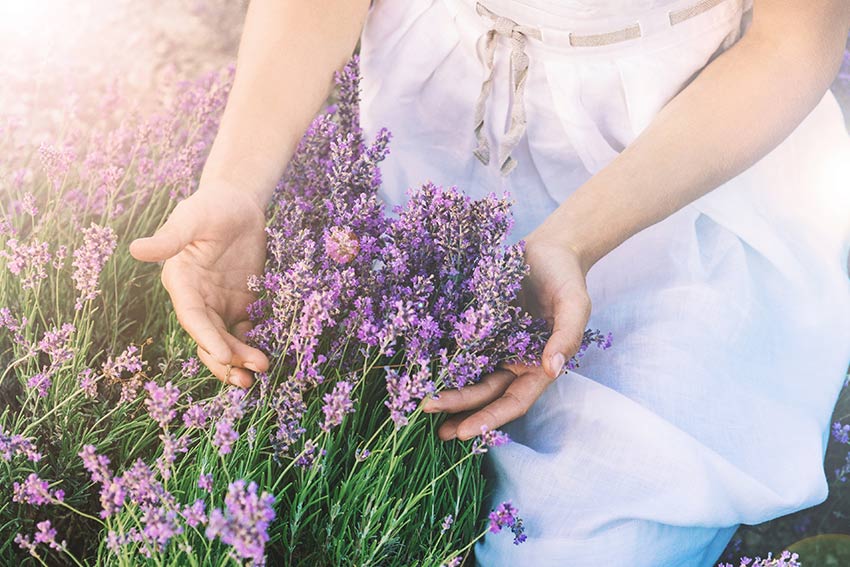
(555, 289)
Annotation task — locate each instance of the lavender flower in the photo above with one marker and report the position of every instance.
(590, 338)
(244, 520)
(405, 390)
(171, 446)
(99, 243)
(337, 404)
(361, 455)
(196, 416)
(15, 327)
(161, 401)
(307, 458)
(15, 444)
(190, 367)
(59, 257)
(112, 496)
(841, 433)
(27, 261)
(28, 205)
(41, 383)
(505, 515)
(36, 491)
(225, 436)
(56, 344)
(195, 514)
(205, 482)
(435, 283)
(97, 465)
(128, 362)
(489, 438)
(56, 162)
(87, 380)
(142, 486)
(446, 524)
(45, 535)
(160, 526)
(786, 559)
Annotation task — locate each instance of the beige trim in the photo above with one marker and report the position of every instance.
(600, 39)
(679, 16)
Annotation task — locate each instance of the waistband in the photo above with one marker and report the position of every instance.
(573, 26)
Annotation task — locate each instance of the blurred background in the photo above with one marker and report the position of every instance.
(69, 62)
(62, 60)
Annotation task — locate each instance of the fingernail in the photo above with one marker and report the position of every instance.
(251, 366)
(429, 407)
(558, 361)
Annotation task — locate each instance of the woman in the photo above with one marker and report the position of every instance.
(679, 164)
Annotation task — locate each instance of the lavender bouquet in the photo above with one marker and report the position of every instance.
(117, 447)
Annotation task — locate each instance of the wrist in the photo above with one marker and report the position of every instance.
(243, 165)
(560, 235)
(243, 203)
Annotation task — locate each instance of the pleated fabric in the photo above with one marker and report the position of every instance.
(731, 318)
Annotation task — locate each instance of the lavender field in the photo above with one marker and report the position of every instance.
(118, 447)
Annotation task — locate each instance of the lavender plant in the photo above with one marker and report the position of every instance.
(117, 447)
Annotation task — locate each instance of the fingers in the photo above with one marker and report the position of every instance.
(194, 316)
(244, 358)
(171, 238)
(244, 354)
(448, 430)
(571, 314)
(234, 375)
(473, 396)
(514, 403)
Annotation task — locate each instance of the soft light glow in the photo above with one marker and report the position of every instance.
(23, 18)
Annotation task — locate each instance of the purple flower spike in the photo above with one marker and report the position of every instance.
(225, 436)
(12, 445)
(45, 535)
(337, 404)
(507, 516)
(243, 522)
(36, 492)
(489, 438)
(99, 243)
(195, 514)
(205, 482)
(161, 402)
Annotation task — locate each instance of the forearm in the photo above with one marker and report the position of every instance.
(287, 55)
(737, 110)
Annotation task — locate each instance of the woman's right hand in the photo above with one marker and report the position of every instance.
(211, 242)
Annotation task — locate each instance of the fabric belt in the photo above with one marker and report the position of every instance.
(518, 34)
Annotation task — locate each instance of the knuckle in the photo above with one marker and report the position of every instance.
(572, 344)
(520, 407)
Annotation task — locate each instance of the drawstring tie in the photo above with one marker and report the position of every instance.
(486, 47)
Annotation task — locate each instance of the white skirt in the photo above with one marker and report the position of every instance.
(731, 318)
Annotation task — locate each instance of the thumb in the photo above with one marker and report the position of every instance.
(570, 320)
(177, 232)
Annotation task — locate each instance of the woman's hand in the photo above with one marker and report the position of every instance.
(555, 289)
(211, 243)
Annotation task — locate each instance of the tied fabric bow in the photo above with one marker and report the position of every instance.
(486, 47)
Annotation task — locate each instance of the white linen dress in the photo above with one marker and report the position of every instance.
(731, 318)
